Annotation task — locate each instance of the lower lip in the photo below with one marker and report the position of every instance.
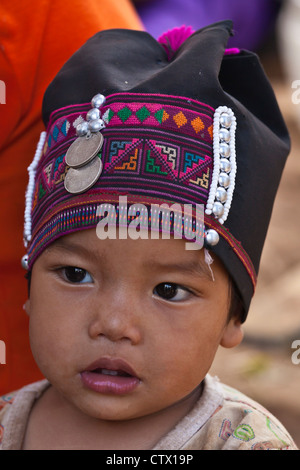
(109, 384)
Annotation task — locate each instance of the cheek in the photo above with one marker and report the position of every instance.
(186, 353)
(50, 336)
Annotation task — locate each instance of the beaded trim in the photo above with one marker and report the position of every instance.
(93, 122)
(30, 188)
(224, 171)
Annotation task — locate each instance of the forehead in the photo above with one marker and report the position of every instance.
(151, 254)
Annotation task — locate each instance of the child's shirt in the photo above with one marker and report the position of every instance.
(222, 419)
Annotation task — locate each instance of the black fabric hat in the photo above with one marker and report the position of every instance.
(158, 99)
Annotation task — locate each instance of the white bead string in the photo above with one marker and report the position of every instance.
(232, 173)
(221, 209)
(216, 169)
(30, 188)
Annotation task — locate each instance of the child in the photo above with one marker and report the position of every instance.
(125, 326)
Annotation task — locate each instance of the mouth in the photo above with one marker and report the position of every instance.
(110, 376)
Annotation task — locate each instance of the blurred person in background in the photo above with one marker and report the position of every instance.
(288, 29)
(252, 20)
(36, 39)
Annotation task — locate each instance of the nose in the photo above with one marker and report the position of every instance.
(117, 318)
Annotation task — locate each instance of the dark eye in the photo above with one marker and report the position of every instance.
(171, 291)
(76, 275)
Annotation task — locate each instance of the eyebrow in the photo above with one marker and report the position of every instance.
(71, 247)
(195, 268)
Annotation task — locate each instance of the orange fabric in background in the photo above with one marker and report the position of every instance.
(36, 39)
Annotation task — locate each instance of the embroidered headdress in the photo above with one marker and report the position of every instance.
(186, 122)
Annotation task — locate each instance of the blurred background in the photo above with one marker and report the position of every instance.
(262, 365)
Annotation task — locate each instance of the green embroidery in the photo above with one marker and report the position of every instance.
(108, 115)
(159, 115)
(143, 113)
(151, 167)
(42, 191)
(244, 432)
(124, 114)
(269, 426)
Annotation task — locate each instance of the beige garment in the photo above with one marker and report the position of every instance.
(222, 419)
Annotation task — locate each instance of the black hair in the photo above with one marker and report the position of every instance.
(236, 307)
(28, 277)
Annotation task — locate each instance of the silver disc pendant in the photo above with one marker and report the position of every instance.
(83, 150)
(78, 180)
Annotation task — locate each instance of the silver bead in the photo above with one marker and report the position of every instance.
(24, 262)
(225, 120)
(221, 194)
(97, 125)
(93, 114)
(218, 209)
(224, 135)
(224, 180)
(212, 237)
(225, 165)
(82, 129)
(224, 150)
(98, 100)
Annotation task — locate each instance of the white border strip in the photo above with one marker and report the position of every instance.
(30, 188)
(217, 125)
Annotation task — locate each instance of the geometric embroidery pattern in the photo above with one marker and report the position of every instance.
(58, 168)
(152, 159)
(59, 131)
(151, 114)
(42, 190)
(180, 119)
(152, 166)
(47, 173)
(170, 154)
(122, 155)
(197, 124)
(203, 181)
(154, 145)
(191, 159)
(131, 164)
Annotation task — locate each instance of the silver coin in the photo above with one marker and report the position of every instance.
(83, 150)
(78, 180)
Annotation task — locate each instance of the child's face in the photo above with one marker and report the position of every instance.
(131, 331)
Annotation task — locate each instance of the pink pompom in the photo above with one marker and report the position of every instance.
(232, 51)
(172, 40)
